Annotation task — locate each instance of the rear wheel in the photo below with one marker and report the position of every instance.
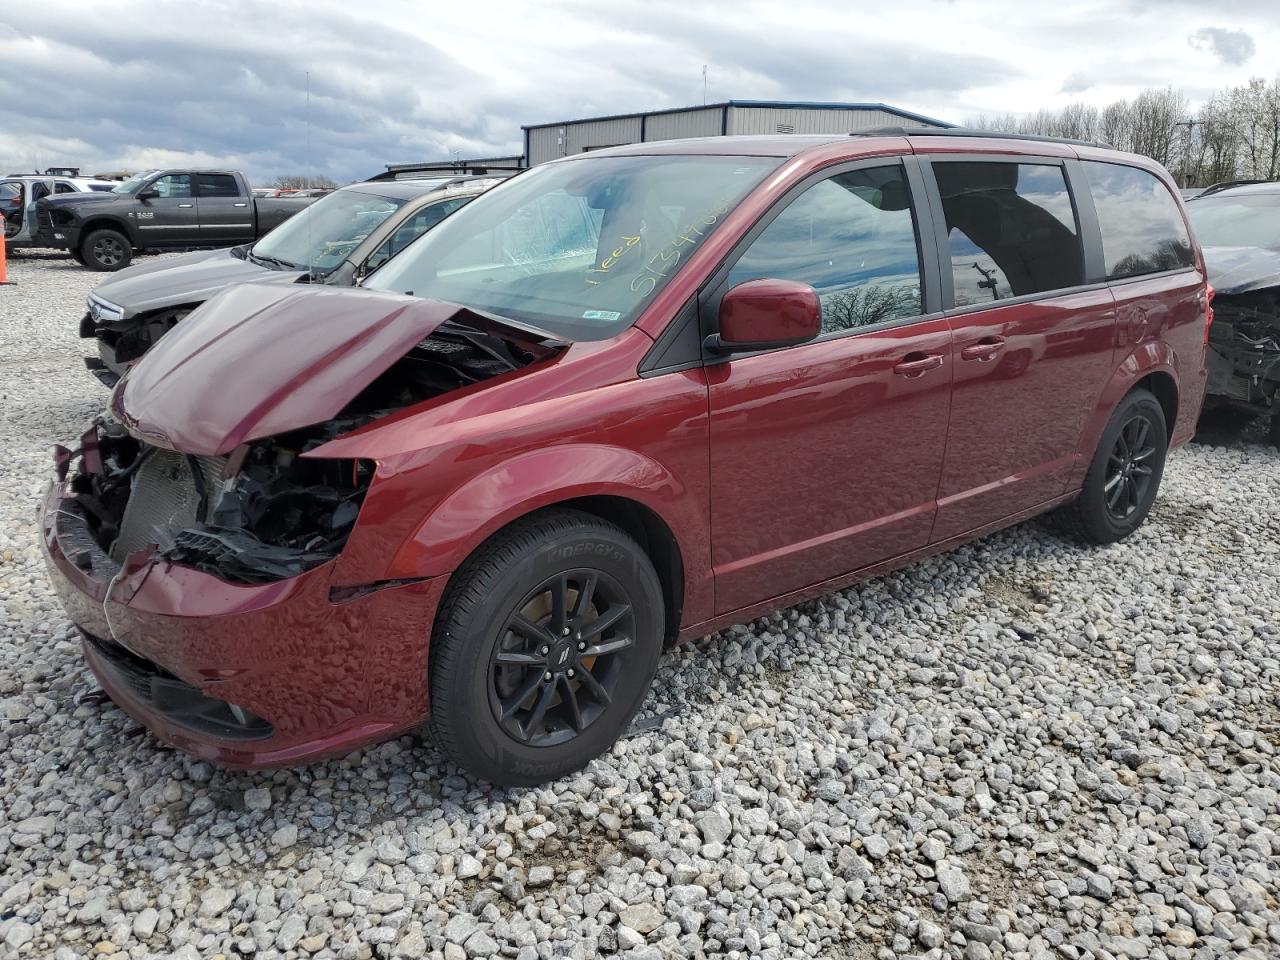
(545, 645)
(1125, 473)
(106, 250)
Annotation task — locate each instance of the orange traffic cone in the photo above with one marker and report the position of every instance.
(4, 269)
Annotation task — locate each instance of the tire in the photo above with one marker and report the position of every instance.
(78, 257)
(106, 251)
(1117, 494)
(1274, 433)
(514, 574)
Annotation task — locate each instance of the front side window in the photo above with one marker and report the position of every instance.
(1011, 230)
(1240, 220)
(217, 185)
(134, 183)
(851, 237)
(322, 235)
(1142, 229)
(577, 247)
(173, 185)
(412, 229)
(63, 187)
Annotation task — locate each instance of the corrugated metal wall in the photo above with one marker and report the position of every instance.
(757, 120)
(548, 143)
(545, 142)
(686, 123)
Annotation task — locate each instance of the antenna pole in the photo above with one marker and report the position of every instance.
(704, 84)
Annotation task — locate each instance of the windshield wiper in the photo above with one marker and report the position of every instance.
(273, 261)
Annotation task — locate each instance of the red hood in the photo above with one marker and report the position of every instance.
(263, 359)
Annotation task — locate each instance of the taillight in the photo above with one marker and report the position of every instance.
(1208, 310)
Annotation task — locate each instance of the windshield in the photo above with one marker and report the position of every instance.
(133, 183)
(577, 248)
(1242, 221)
(323, 235)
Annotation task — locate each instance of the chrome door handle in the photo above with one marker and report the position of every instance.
(241, 204)
(914, 364)
(983, 350)
(184, 206)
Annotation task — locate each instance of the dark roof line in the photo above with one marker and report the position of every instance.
(778, 104)
(967, 132)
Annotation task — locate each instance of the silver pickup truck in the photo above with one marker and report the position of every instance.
(159, 210)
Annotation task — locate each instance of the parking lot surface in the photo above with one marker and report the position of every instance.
(1024, 748)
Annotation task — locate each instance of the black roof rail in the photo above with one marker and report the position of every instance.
(1227, 185)
(966, 132)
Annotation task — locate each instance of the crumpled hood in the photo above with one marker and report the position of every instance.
(170, 282)
(76, 199)
(1235, 270)
(262, 359)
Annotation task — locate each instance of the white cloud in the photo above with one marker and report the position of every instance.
(396, 80)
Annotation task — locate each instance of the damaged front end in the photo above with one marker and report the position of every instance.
(1244, 338)
(123, 340)
(264, 508)
(265, 513)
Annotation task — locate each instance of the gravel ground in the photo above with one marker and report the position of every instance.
(1022, 749)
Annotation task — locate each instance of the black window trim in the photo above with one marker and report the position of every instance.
(1179, 204)
(710, 291)
(198, 187)
(1087, 235)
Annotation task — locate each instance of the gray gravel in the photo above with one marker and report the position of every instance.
(1022, 749)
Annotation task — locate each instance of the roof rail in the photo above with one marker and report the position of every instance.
(967, 132)
(1227, 185)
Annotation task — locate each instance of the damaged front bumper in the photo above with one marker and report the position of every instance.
(245, 675)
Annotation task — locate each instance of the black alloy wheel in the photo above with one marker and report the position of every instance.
(1123, 478)
(557, 663)
(1129, 468)
(543, 648)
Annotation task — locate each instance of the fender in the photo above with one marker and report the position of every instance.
(100, 222)
(1146, 358)
(541, 478)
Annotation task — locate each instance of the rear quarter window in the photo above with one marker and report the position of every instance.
(1142, 227)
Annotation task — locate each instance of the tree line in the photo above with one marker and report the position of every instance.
(1234, 135)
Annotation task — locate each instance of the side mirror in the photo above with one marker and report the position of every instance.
(148, 193)
(765, 315)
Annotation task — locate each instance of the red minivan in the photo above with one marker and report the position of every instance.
(624, 398)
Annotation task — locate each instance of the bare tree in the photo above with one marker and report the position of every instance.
(304, 182)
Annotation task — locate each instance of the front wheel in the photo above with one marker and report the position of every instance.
(106, 250)
(545, 644)
(1125, 473)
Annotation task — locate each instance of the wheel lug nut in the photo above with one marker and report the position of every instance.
(571, 673)
(564, 632)
(545, 651)
(582, 645)
(547, 675)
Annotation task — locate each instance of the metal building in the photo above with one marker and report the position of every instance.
(547, 141)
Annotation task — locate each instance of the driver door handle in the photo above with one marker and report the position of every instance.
(184, 206)
(917, 363)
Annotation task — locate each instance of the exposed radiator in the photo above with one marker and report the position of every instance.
(165, 499)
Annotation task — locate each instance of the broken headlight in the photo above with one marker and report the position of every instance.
(277, 515)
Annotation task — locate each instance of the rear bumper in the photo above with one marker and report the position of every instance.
(311, 678)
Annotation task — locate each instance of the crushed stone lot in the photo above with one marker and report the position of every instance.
(1022, 749)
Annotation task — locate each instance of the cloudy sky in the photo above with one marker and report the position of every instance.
(136, 84)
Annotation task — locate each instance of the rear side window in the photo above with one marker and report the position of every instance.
(64, 187)
(851, 237)
(217, 185)
(1142, 228)
(1011, 230)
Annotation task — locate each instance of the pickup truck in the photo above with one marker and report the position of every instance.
(339, 241)
(175, 209)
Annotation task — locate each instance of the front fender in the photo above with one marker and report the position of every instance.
(540, 478)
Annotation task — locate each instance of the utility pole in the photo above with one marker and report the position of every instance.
(704, 84)
(1190, 124)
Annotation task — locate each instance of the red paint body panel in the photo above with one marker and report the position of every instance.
(315, 348)
(779, 475)
(823, 459)
(1018, 413)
